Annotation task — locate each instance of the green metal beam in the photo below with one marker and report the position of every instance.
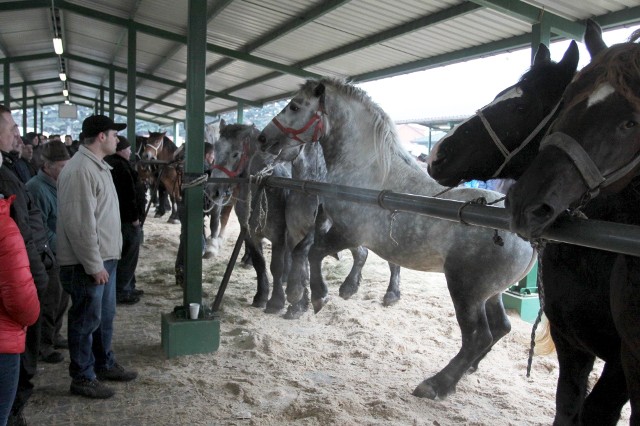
(630, 15)
(24, 58)
(533, 15)
(131, 86)
(422, 22)
(124, 110)
(291, 25)
(33, 83)
(162, 80)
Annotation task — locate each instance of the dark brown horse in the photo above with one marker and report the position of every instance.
(593, 148)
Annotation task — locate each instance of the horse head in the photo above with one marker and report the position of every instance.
(515, 121)
(154, 146)
(593, 145)
(301, 121)
(232, 153)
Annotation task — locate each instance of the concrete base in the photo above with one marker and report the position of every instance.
(187, 337)
(526, 305)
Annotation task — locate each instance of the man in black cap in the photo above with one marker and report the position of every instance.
(131, 198)
(88, 253)
(55, 301)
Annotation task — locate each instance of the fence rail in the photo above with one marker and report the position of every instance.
(610, 236)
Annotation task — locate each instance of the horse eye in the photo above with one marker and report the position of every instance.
(630, 124)
(236, 155)
(294, 107)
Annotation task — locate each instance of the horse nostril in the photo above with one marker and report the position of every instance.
(542, 211)
(262, 138)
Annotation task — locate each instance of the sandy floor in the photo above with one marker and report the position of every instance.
(353, 363)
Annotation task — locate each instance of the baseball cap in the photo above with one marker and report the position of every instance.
(95, 124)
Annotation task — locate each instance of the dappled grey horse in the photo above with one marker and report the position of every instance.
(361, 149)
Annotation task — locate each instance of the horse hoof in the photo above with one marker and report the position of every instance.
(208, 255)
(293, 312)
(318, 304)
(294, 294)
(272, 309)
(259, 304)
(390, 299)
(346, 291)
(425, 390)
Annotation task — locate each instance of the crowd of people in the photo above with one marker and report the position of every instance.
(59, 204)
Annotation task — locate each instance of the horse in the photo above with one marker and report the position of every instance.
(261, 213)
(159, 147)
(361, 148)
(303, 215)
(576, 279)
(592, 151)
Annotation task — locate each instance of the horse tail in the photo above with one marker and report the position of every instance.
(544, 342)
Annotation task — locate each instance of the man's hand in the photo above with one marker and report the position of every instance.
(101, 277)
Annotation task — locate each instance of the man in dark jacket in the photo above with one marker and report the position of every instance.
(29, 221)
(132, 205)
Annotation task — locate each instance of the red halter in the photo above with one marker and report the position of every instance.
(293, 133)
(241, 164)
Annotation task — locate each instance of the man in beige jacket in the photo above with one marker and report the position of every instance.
(88, 253)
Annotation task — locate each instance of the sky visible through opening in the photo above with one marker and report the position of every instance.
(461, 89)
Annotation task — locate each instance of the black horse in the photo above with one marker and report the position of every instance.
(593, 147)
(576, 279)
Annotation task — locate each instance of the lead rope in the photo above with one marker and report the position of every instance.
(539, 245)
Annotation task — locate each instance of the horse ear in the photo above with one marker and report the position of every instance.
(223, 124)
(571, 57)
(319, 90)
(542, 55)
(593, 38)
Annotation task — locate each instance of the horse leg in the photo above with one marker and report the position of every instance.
(247, 260)
(254, 249)
(163, 200)
(625, 307)
(605, 401)
(393, 291)
(499, 325)
(224, 219)
(299, 273)
(476, 338)
(213, 244)
(325, 244)
(575, 366)
(351, 284)
(280, 263)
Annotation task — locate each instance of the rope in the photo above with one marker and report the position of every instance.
(539, 247)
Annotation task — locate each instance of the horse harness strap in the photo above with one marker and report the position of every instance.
(528, 139)
(239, 167)
(496, 140)
(589, 171)
(293, 133)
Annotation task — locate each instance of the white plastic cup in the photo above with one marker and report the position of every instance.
(194, 309)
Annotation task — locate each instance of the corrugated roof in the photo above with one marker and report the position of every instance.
(262, 50)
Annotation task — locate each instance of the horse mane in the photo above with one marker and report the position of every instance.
(167, 142)
(232, 131)
(618, 65)
(386, 143)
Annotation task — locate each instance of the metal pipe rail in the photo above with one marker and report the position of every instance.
(610, 236)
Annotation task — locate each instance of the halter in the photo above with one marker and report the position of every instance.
(293, 133)
(156, 149)
(508, 156)
(589, 171)
(240, 166)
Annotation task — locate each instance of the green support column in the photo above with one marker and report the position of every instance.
(112, 94)
(240, 112)
(182, 336)
(102, 100)
(35, 115)
(131, 87)
(24, 109)
(7, 88)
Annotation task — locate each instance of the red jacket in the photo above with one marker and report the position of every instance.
(19, 305)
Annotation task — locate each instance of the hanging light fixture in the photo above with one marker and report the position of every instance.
(63, 76)
(65, 92)
(57, 45)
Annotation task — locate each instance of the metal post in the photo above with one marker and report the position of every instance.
(131, 87)
(7, 82)
(240, 112)
(112, 94)
(24, 109)
(35, 114)
(102, 101)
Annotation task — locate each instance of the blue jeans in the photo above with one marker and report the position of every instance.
(126, 274)
(90, 317)
(9, 373)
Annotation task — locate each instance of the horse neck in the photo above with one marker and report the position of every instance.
(309, 164)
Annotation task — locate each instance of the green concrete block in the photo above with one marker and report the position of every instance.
(182, 336)
(526, 305)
